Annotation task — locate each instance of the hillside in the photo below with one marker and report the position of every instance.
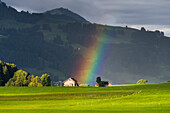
(58, 41)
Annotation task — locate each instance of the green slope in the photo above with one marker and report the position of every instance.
(149, 98)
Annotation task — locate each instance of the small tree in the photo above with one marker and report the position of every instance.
(35, 82)
(142, 81)
(143, 29)
(162, 33)
(98, 80)
(19, 79)
(45, 80)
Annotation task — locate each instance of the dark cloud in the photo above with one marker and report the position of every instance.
(112, 12)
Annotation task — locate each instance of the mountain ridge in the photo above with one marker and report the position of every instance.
(58, 14)
(64, 11)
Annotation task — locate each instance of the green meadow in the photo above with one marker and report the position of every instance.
(149, 98)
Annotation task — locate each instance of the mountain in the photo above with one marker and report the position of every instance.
(59, 41)
(64, 14)
(60, 14)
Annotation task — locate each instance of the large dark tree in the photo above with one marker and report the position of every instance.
(98, 80)
(6, 72)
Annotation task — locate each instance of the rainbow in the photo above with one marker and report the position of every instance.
(96, 60)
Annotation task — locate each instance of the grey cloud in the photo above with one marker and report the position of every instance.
(138, 12)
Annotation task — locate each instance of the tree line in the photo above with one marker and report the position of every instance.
(10, 75)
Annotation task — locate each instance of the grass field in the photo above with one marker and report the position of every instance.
(150, 98)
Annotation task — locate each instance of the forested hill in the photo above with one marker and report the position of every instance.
(54, 41)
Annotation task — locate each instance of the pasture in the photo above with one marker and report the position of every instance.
(149, 98)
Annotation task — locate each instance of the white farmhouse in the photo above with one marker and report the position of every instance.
(71, 82)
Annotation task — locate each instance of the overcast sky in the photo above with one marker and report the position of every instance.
(151, 14)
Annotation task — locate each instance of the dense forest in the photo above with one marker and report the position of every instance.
(40, 43)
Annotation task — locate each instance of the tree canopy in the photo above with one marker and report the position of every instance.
(6, 72)
(45, 80)
(98, 80)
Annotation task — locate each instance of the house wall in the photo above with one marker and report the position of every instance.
(69, 83)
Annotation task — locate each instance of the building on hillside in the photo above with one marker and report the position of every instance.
(71, 82)
(96, 85)
(168, 80)
(83, 85)
(110, 84)
(59, 83)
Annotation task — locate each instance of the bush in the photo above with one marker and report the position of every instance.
(142, 81)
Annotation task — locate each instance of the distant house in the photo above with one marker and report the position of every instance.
(110, 84)
(96, 85)
(168, 80)
(59, 83)
(83, 85)
(71, 82)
